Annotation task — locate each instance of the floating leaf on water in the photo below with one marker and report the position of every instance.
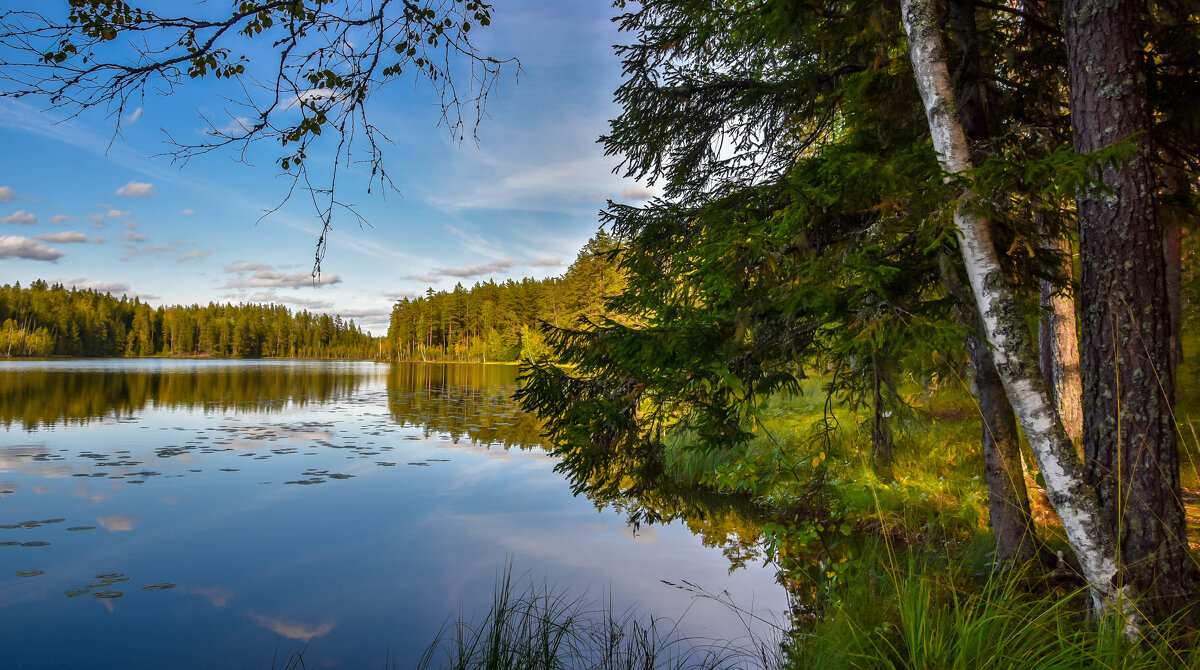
(107, 594)
(229, 470)
(29, 573)
(82, 528)
(419, 463)
(30, 524)
(384, 463)
(76, 592)
(340, 476)
(136, 481)
(37, 543)
(110, 575)
(10, 526)
(54, 520)
(9, 544)
(160, 586)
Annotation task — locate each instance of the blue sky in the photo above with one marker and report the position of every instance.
(83, 208)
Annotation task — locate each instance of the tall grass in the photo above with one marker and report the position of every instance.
(538, 627)
(921, 619)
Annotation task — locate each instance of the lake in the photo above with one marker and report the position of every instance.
(199, 514)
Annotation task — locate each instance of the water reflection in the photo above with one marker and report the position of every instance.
(205, 487)
(33, 395)
(463, 401)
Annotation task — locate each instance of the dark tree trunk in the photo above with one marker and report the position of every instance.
(1008, 499)
(1125, 321)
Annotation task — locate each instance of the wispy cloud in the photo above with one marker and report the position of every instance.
(501, 265)
(187, 212)
(273, 297)
(65, 237)
(20, 217)
(7, 194)
(116, 213)
(273, 279)
(115, 288)
(137, 189)
(246, 266)
(639, 193)
(59, 218)
(131, 236)
(133, 118)
(195, 254)
(428, 278)
(15, 246)
(543, 262)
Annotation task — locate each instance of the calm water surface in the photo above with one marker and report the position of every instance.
(170, 513)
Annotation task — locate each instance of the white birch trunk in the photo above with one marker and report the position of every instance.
(1092, 540)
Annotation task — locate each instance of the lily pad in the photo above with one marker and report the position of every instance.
(29, 573)
(35, 543)
(107, 595)
(74, 593)
(82, 528)
(59, 520)
(9, 544)
(161, 586)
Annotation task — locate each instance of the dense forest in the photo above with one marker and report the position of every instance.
(52, 320)
(500, 322)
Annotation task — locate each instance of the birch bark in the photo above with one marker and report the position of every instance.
(1090, 537)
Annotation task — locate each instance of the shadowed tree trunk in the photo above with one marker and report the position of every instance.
(1008, 499)
(1125, 320)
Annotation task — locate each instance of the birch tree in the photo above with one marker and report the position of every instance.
(1090, 536)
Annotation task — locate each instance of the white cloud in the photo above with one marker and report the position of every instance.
(501, 265)
(429, 279)
(134, 237)
(187, 212)
(246, 266)
(7, 194)
(398, 295)
(137, 114)
(59, 218)
(20, 217)
(96, 239)
(639, 193)
(196, 253)
(97, 219)
(115, 288)
(116, 213)
(15, 246)
(306, 303)
(272, 279)
(131, 225)
(137, 189)
(543, 262)
(65, 237)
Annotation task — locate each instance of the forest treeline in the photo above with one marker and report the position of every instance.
(492, 322)
(52, 320)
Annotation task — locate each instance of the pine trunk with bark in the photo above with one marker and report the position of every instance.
(1092, 540)
(1125, 319)
(1008, 498)
(1058, 345)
